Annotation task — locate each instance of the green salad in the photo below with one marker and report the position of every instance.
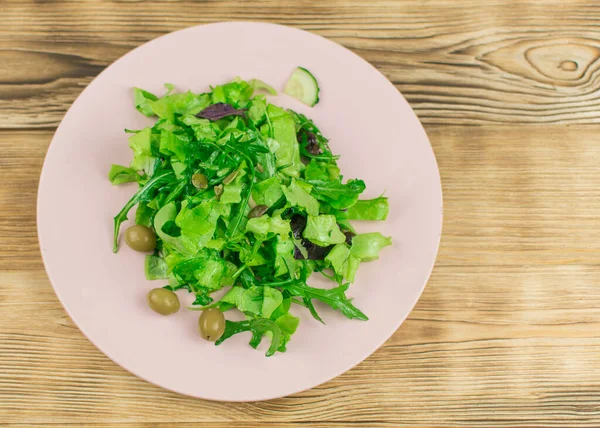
(240, 195)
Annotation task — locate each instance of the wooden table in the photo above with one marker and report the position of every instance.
(507, 332)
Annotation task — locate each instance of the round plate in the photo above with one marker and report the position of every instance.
(369, 124)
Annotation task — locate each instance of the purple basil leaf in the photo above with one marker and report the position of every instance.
(312, 145)
(314, 251)
(219, 111)
(297, 224)
(349, 235)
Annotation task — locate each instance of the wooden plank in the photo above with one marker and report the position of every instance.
(518, 343)
(512, 196)
(215, 425)
(467, 62)
(20, 167)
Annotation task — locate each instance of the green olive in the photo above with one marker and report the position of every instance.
(211, 324)
(199, 181)
(231, 177)
(140, 238)
(257, 211)
(163, 301)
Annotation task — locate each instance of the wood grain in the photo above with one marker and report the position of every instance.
(507, 332)
(508, 325)
(456, 358)
(467, 62)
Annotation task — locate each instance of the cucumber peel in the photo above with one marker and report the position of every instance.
(303, 86)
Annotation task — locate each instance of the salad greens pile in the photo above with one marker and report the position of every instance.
(244, 194)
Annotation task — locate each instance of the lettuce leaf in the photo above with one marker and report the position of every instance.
(287, 324)
(323, 230)
(155, 268)
(198, 224)
(267, 192)
(366, 246)
(141, 144)
(206, 270)
(172, 144)
(121, 174)
(237, 93)
(143, 101)
(232, 192)
(337, 258)
(186, 103)
(371, 209)
(284, 256)
(259, 301)
(287, 152)
(262, 226)
(298, 195)
(203, 129)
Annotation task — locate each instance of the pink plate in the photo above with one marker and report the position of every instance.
(369, 123)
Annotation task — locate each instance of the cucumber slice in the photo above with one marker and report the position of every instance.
(303, 86)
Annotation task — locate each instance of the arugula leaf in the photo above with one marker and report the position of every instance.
(244, 204)
(336, 194)
(334, 297)
(144, 214)
(258, 327)
(142, 195)
(371, 209)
